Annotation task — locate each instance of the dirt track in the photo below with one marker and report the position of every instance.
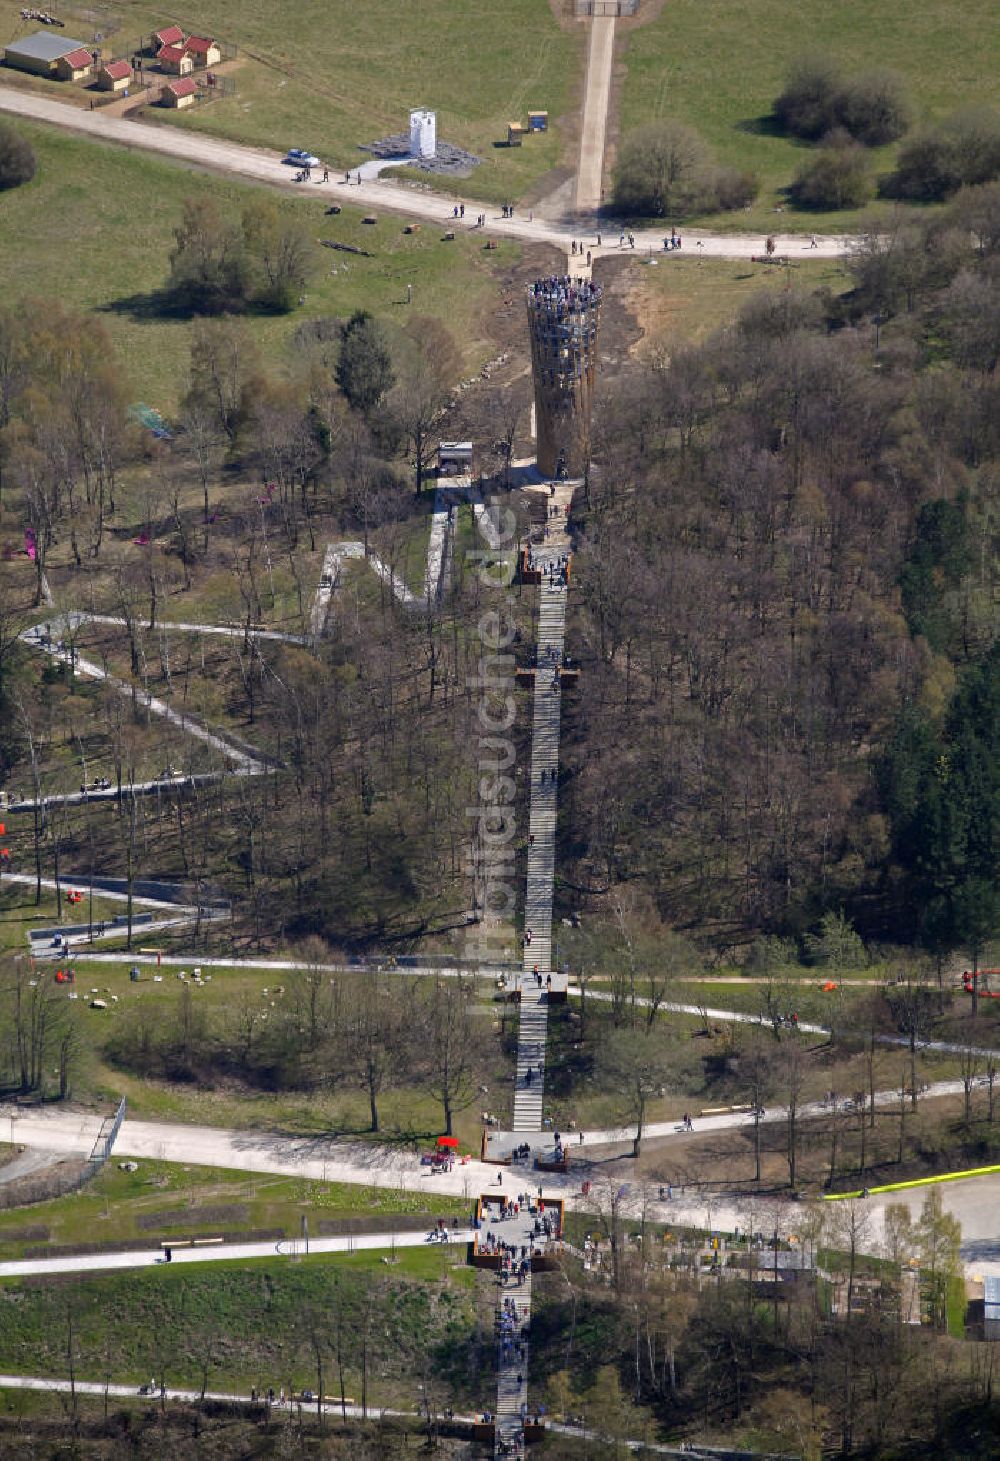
(213, 153)
(595, 114)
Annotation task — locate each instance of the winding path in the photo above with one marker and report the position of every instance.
(442, 532)
(243, 763)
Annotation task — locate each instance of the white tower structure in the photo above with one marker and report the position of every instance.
(423, 133)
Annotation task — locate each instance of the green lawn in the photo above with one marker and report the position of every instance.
(19, 913)
(257, 1324)
(719, 65)
(407, 1111)
(163, 1199)
(100, 222)
(680, 299)
(333, 76)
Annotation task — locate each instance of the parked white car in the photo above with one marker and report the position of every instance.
(297, 158)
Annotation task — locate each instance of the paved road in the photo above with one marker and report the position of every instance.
(198, 150)
(330, 1407)
(339, 553)
(728, 1120)
(420, 971)
(324, 591)
(442, 524)
(738, 1017)
(88, 937)
(973, 1201)
(81, 885)
(99, 1388)
(219, 1252)
(73, 620)
(111, 793)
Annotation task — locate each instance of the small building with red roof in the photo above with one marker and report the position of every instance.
(114, 76)
(180, 93)
(205, 51)
(175, 60)
(75, 66)
(170, 35)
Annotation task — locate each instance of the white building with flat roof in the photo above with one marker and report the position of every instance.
(423, 133)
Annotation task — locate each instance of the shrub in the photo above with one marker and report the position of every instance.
(936, 162)
(208, 272)
(17, 158)
(770, 954)
(926, 170)
(837, 176)
(807, 107)
(977, 211)
(875, 108)
(835, 944)
(218, 267)
(974, 133)
(665, 168)
(733, 188)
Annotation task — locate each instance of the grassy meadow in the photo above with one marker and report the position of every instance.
(333, 76)
(101, 220)
(259, 1323)
(684, 298)
(221, 1007)
(719, 64)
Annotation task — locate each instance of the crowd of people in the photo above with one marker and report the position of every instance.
(510, 1333)
(555, 570)
(566, 293)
